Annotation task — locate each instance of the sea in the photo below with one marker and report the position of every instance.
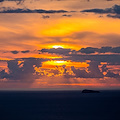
(59, 105)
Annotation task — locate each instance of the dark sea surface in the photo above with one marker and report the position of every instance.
(59, 105)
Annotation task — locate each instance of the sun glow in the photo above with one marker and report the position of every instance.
(57, 46)
(53, 63)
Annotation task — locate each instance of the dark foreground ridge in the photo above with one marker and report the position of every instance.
(90, 91)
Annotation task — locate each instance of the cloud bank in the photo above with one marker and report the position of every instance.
(19, 10)
(113, 12)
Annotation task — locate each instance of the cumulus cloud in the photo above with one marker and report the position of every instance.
(112, 75)
(19, 10)
(93, 71)
(22, 70)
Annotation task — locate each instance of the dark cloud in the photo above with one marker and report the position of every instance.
(26, 51)
(106, 49)
(95, 10)
(15, 52)
(93, 71)
(85, 54)
(111, 59)
(104, 68)
(18, 10)
(115, 10)
(17, 1)
(22, 70)
(1, 0)
(57, 51)
(116, 49)
(65, 15)
(45, 16)
(112, 75)
(89, 50)
(114, 16)
(3, 74)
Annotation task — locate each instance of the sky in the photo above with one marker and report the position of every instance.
(59, 44)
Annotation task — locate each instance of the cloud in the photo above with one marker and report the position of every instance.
(111, 59)
(26, 51)
(15, 52)
(65, 15)
(1, 0)
(22, 69)
(93, 71)
(17, 1)
(19, 10)
(89, 50)
(112, 75)
(114, 16)
(57, 51)
(45, 16)
(104, 54)
(113, 12)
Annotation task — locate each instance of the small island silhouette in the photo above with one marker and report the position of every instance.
(90, 91)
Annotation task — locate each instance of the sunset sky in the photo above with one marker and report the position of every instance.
(60, 44)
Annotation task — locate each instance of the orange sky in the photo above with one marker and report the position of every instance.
(32, 32)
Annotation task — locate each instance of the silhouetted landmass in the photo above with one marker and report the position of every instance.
(90, 91)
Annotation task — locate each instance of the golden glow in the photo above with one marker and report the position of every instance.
(63, 45)
(53, 63)
(60, 62)
(5, 59)
(80, 84)
(65, 27)
(46, 55)
(57, 46)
